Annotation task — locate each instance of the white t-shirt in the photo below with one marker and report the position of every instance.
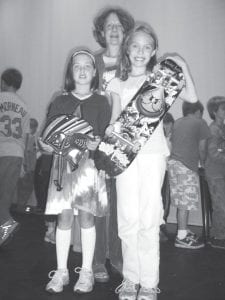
(109, 71)
(126, 90)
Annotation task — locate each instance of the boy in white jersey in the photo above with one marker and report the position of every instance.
(14, 125)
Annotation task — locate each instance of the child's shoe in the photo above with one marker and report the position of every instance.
(217, 243)
(85, 282)
(127, 290)
(191, 241)
(7, 230)
(148, 293)
(59, 279)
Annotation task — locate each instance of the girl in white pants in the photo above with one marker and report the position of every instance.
(140, 211)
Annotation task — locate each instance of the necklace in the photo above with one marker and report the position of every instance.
(81, 96)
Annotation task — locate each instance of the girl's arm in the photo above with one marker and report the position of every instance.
(116, 106)
(188, 92)
(116, 110)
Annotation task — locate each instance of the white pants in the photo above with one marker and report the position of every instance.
(140, 214)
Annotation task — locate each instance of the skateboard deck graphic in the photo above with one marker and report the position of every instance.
(140, 118)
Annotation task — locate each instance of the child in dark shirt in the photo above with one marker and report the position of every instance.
(187, 135)
(215, 169)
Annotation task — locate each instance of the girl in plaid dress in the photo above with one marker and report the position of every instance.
(79, 187)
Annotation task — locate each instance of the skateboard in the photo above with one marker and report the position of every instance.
(67, 135)
(139, 119)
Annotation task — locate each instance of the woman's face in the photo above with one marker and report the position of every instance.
(113, 31)
(141, 49)
(83, 69)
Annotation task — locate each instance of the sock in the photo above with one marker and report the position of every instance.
(63, 239)
(88, 238)
(181, 233)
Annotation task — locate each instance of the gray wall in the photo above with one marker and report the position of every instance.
(37, 35)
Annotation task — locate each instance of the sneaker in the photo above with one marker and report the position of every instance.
(7, 230)
(59, 279)
(148, 293)
(50, 237)
(85, 282)
(100, 273)
(191, 241)
(217, 243)
(127, 290)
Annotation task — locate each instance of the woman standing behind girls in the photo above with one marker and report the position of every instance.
(140, 211)
(80, 85)
(111, 25)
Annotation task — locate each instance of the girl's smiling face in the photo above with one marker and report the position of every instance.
(141, 49)
(83, 69)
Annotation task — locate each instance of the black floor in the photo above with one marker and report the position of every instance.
(27, 259)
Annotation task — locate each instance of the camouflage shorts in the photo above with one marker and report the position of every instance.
(184, 186)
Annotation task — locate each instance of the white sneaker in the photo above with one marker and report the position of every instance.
(59, 279)
(148, 293)
(127, 290)
(7, 230)
(85, 282)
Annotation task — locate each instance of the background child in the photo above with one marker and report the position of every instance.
(26, 182)
(42, 174)
(140, 211)
(31, 149)
(188, 134)
(14, 125)
(215, 169)
(80, 85)
(168, 122)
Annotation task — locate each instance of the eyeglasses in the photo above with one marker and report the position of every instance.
(112, 26)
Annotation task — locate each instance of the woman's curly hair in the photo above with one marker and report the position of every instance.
(124, 17)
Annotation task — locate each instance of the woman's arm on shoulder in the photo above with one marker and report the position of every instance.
(116, 106)
(113, 90)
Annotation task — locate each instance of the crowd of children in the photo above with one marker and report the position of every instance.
(120, 217)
